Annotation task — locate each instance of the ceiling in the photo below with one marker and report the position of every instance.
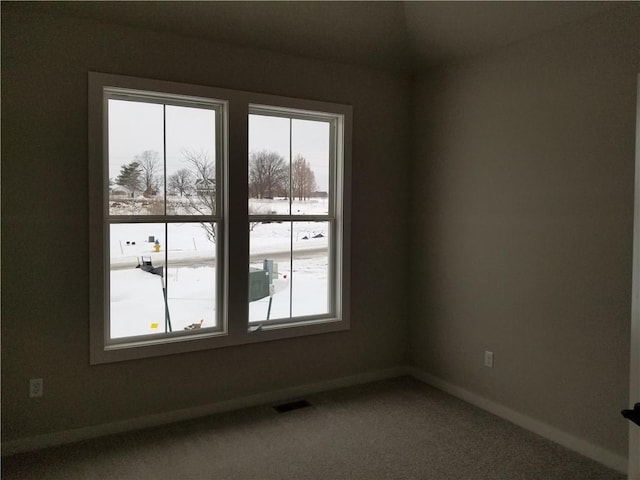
(390, 35)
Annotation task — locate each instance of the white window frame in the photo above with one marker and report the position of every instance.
(232, 216)
(333, 217)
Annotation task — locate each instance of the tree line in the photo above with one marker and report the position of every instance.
(196, 182)
(269, 176)
(143, 175)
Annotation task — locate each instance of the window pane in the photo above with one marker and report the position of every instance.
(269, 271)
(310, 273)
(285, 283)
(310, 167)
(139, 279)
(136, 165)
(137, 304)
(191, 160)
(288, 165)
(191, 280)
(269, 162)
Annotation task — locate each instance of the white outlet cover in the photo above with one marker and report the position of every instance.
(488, 359)
(35, 387)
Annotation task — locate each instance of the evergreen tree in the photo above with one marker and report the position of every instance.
(131, 177)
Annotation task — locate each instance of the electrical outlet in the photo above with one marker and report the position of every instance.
(488, 359)
(35, 387)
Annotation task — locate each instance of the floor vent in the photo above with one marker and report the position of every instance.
(287, 407)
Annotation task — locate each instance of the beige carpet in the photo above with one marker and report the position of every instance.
(394, 429)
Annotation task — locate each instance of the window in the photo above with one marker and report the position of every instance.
(294, 262)
(171, 166)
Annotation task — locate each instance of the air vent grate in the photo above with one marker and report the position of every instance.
(289, 406)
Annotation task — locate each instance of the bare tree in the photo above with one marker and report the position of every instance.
(303, 180)
(150, 171)
(268, 174)
(203, 174)
(181, 181)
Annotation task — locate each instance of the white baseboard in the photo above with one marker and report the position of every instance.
(94, 431)
(599, 454)
(612, 460)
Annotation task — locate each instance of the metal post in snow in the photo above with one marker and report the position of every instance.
(148, 267)
(269, 308)
(167, 318)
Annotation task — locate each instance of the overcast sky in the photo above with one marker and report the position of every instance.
(137, 126)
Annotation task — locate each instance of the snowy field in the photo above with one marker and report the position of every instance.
(137, 298)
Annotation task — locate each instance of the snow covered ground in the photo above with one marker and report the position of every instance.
(137, 299)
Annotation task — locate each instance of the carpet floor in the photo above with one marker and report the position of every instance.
(392, 429)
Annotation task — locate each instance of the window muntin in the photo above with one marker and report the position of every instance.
(293, 221)
(162, 218)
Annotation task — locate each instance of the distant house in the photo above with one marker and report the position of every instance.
(205, 186)
(150, 192)
(319, 195)
(120, 191)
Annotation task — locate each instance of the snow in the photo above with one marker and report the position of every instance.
(137, 299)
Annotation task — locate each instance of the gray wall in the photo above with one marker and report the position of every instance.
(522, 224)
(45, 251)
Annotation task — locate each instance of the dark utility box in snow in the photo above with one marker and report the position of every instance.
(258, 284)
